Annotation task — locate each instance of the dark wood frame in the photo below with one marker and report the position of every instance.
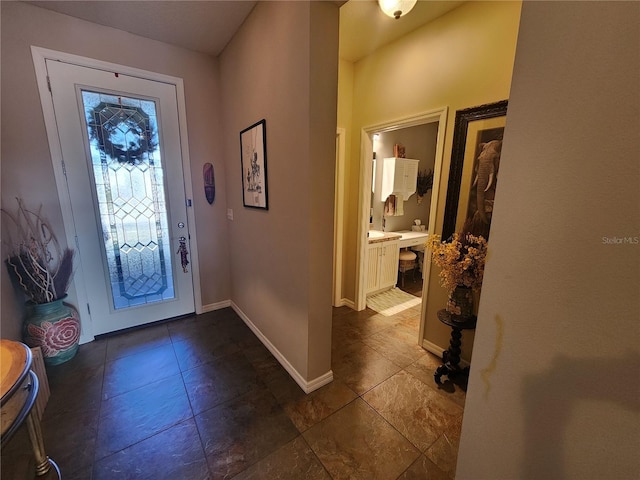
(261, 162)
(463, 119)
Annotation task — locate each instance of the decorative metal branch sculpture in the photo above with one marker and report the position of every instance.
(40, 266)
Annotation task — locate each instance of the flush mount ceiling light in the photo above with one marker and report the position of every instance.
(396, 8)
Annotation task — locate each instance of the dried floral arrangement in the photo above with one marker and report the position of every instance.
(40, 266)
(461, 258)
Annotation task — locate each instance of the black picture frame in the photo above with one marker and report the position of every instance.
(468, 136)
(253, 163)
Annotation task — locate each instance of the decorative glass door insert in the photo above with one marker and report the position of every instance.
(129, 185)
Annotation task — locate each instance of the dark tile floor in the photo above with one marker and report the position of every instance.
(202, 398)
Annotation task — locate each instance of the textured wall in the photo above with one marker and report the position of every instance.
(553, 391)
(277, 68)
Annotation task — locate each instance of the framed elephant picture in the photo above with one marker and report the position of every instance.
(475, 164)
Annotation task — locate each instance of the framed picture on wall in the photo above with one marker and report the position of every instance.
(253, 160)
(475, 163)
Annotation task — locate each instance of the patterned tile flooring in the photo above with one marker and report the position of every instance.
(202, 398)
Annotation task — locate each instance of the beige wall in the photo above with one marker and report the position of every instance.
(460, 60)
(323, 94)
(280, 67)
(553, 391)
(26, 162)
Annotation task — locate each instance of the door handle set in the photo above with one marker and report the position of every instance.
(182, 251)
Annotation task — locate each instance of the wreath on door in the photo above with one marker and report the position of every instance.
(123, 133)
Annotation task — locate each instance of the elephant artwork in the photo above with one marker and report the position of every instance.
(473, 173)
(483, 190)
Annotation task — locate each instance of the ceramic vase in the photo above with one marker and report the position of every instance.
(55, 328)
(461, 302)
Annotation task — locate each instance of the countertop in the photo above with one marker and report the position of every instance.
(410, 234)
(376, 236)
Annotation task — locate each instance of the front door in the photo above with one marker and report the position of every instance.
(120, 142)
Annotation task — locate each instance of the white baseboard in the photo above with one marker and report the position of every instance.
(432, 347)
(216, 306)
(345, 302)
(306, 386)
(316, 383)
(436, 350)
(348, 303)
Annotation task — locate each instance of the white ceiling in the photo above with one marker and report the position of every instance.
(202, 26)
(207, 26)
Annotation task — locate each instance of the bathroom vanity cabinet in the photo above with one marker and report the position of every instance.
(381, 265)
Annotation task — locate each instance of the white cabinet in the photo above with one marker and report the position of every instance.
(399, 176)
(382, 265)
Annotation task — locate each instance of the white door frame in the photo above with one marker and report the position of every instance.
(40, 55)
(338, 219)
(366, 153)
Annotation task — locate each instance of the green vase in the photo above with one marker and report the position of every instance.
(55, 328)
(460, 302)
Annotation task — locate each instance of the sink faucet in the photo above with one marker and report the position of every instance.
(384, 223)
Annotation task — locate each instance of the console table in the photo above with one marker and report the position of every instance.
(19, 389)
(451, 356)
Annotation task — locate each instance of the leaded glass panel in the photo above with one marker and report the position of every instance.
(129, 186)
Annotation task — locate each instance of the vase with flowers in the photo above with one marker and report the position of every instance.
(43, 271)
(461, 259)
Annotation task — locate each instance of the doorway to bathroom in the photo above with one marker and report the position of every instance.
(410, 218)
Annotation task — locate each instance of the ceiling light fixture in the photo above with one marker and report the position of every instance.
(396, 8)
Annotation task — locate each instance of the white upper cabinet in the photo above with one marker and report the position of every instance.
(400, 177)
